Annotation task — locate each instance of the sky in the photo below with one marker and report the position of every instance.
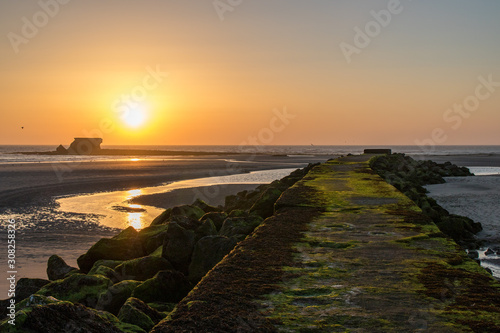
(230, 72)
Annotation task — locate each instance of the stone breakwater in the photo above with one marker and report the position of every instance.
(332, 247)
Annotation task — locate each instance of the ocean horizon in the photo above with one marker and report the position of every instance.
(7, 151)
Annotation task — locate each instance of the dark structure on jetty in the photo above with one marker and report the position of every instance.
(378, 151)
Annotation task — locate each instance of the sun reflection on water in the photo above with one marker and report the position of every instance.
(135, 219)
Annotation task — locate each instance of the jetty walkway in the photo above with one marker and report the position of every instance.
(344, 252)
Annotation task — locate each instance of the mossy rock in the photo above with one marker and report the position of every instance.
(264, 206)
(106, 263)
(158, 252)
(116, 295)
(204, 206)
(234, 226)
(216, 217)
(152, 237)
(141, 269)
(207, 253)
(124, 246)
(138, 313)
(238, 213)
(63, 316)
(165, 286)
(35, 300)
(241, 201)
(460, 228)
(26, 287)
(108, 273)
(79, 288)
(57, 268)
(162, 307)
(188, 211)
(178, 246)
(206, 229)
(163, 218)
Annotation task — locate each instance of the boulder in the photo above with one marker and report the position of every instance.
(58, 316)
(152, 237)
(26, 287)
(138, 313)
(106, 263)
(216, 217)
(207, 253)
(106, 272)
(459, 228)
(178, 246)
(234, 226)
(36, 299)
(57, 268)
(206, 229)
(186, 222)
(124, 246)
(165, 286)
(116, 295)
(238, 213)
(233, 202)
(264, 206)
(79, 288)
(190, 211)
(163, 218)
(141, 269)
(204, 206)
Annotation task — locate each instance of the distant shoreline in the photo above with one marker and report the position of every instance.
(134, 152)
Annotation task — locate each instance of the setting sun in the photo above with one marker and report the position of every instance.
(135, 116)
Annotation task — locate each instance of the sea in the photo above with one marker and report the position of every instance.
(7, 156)
(72, 227)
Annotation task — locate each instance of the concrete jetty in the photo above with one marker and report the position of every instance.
(343, 252)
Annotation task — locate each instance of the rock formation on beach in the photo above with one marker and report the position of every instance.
(85, 146)
(200, 268)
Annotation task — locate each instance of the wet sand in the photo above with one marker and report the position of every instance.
(213, 195)
(37, 183)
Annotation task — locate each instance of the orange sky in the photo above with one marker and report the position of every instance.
(225, 77)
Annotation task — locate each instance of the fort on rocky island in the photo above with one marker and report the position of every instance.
(81, 146)
(85, 146)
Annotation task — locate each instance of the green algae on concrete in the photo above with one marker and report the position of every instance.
(386, 279)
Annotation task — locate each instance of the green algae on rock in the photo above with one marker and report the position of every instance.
(79, 288)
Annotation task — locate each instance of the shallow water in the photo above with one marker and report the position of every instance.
(115, 210)
(477, 198)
